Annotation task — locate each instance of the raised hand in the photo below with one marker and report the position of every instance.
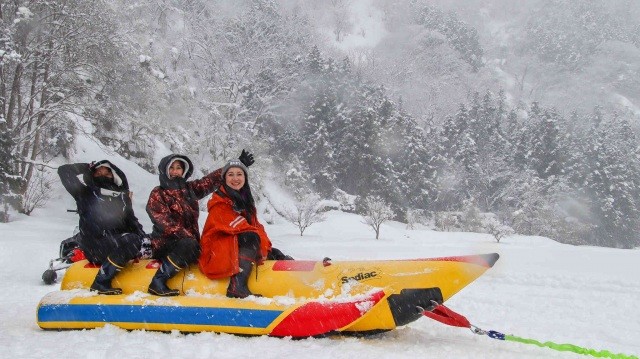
(246, 158)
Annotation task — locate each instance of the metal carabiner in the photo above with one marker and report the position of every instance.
(476, 330)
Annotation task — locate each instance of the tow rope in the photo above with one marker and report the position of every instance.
(444, 315)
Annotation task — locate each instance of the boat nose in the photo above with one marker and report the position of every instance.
(490, 258)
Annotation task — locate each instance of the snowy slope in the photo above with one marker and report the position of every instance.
(539, 289)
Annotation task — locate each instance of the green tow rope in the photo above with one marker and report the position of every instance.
(447, 316)
(555, 346)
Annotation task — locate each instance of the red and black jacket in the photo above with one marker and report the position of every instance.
(173, 206)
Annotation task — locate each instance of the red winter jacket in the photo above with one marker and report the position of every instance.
(173, 206)
(219, 242)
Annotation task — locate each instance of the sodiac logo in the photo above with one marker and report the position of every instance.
(361, 275)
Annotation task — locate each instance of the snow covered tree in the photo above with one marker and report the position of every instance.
(61, 57)
(361, 168)
(376, 211)
(547, 148)
(496, 229)
(417, 216)
(471, 219)
(318, 150)
(461, 36)
(460, 168)
(315, 61)
(571, 33)
(307, 211)
(38, 192)
(530, 205)
(9, 182)
(415, 166)
(612, 184)
(494, 169)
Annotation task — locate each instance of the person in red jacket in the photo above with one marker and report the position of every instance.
(233, 239)
(173, 209)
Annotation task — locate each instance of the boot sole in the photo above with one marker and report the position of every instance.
(107, 292)
(165, 294)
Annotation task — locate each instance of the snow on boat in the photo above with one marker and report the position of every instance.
(299, 298)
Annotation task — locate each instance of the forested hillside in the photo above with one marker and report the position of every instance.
(451, 112)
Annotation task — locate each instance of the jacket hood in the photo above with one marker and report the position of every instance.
(163, 171)
(120, 182)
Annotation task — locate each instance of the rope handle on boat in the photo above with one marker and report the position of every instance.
(445, 315)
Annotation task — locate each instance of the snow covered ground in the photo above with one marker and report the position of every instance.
(539, 289)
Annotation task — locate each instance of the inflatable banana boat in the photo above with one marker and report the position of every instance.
(298, 298)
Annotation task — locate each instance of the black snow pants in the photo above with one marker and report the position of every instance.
(120, 248)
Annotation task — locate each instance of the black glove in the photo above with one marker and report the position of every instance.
(276, 254)
(246, 158)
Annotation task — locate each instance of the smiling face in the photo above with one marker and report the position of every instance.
(176, 169)
(235, 178)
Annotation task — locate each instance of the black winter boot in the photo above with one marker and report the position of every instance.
(158, 284)
(102, 283)
(238, 283)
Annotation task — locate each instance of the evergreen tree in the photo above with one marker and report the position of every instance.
(511, 126)
(455, 164)
(523, 138)
(569, 33)
(315, 62)
(461, 141)
(494, 169)
(318, 148)
(357, 157)
(612, 182)
(546, 147)
(450, 132)
(415, 166)
(463, 38)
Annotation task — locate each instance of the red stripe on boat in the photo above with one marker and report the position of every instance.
(294, 266)
(485, 260)
(317, 318)
(466, 259)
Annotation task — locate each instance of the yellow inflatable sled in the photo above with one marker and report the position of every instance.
(299, 298)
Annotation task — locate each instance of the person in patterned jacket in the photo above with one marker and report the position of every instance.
(173, 209)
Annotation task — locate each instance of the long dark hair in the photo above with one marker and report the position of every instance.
(242, 199)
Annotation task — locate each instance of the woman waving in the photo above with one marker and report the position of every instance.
(233, 239)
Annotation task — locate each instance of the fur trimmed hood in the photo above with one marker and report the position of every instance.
(120, 182)
(163, 171)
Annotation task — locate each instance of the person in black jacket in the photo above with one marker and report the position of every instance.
(110, 232)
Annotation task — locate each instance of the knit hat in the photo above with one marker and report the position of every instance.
(237, 164)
